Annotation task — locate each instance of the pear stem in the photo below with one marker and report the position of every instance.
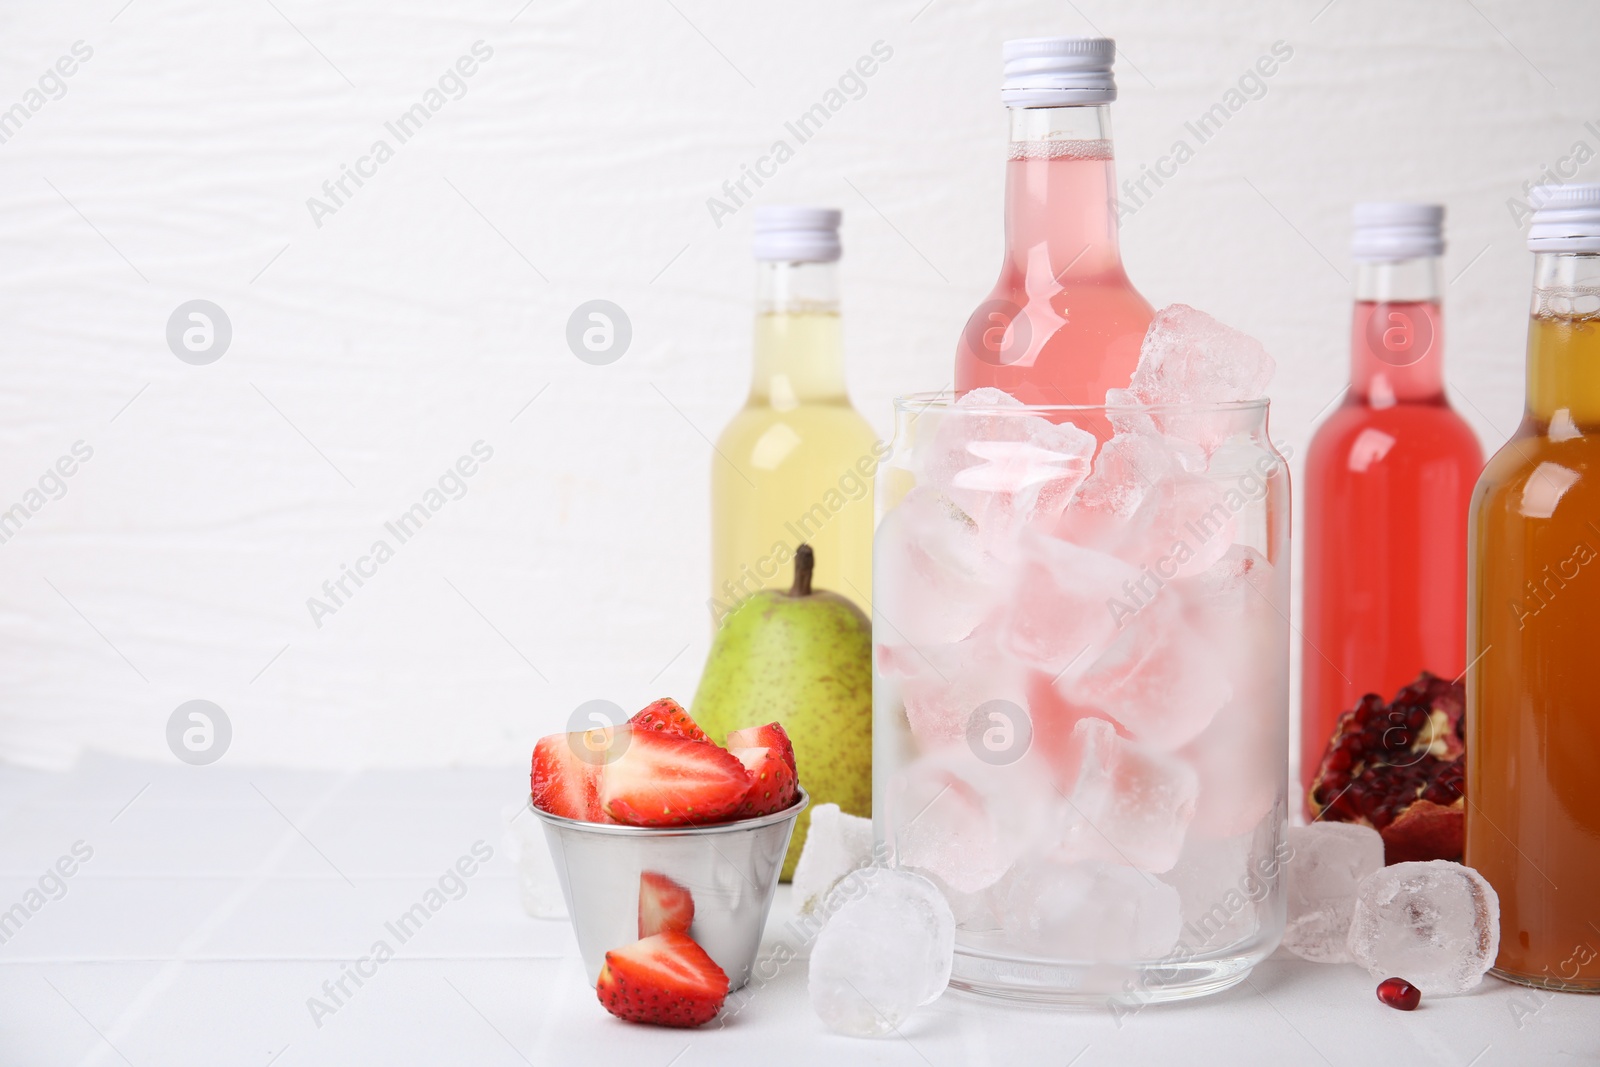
(804, 561)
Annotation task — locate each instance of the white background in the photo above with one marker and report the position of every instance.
(371, 352)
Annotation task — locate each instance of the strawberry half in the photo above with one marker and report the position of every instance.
(768, 757)
(664, 905)
(665, 979)
(663, 780)
(565, 779)
(667, 716)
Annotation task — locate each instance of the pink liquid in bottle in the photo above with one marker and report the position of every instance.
(1389, 477)
(1062, 324)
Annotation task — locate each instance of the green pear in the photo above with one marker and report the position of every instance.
(801, 658)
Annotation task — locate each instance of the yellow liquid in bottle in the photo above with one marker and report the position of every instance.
(795, 466)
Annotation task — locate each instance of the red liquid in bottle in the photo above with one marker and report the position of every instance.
(1389, 477)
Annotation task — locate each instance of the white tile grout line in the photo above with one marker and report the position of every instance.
(164, 978)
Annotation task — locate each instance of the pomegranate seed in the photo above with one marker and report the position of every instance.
(1399, 993)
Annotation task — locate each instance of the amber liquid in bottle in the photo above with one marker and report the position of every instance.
(1533, 689)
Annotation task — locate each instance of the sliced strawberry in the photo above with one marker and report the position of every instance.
(773, 785)
(566, 774)
(665, 979)
(668, 717)
(769, 736)
(662, 780)
(664, 905)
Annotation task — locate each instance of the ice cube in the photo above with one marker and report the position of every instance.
(1190, 526)
(1131, 803)
(1237, 582)
(1054, 718)
(1241, 756)
(1435, 923)
(1061, 603)
(886, 950)
(1138, 501)
(976, 913)
(836, 844)
(964, 820)
(1188, 357)
(1090, 910)
(1242, 762)
(1327, 863)
(940, 686)
(1002, 466)
(1219, 889)
(1159, 679)
(1124, 410)
(932, 581)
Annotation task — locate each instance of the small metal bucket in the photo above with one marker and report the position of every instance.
(730, 869)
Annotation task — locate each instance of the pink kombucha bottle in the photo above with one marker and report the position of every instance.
(1063, 324)
(1389, 478)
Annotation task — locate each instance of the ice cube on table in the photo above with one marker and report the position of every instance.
(837, 843)
(886, 950)
(1002, 466)
(1060, 614)
(1327, 863)
(1130, 804)
(1189, 358)
(963, 820)
(1435, 923)
(1159, 679)
(932, 581)
(1090, 910)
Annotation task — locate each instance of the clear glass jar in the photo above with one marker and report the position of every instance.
(1080, 699)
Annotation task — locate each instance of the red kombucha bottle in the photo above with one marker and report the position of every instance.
(1389, 477)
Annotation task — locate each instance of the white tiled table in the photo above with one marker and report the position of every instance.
(219, 900)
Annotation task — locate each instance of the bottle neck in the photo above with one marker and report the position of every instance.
(1564, 341)
(1061, 194)
(798, 354)
(1397, 335)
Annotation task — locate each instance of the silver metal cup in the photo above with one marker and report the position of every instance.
(730, 869)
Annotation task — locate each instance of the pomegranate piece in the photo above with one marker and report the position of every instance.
(1399, 993)
(1400, 768)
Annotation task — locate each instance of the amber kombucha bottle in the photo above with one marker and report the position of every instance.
(1533, 625)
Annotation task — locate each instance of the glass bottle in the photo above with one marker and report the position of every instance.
(796, 465)
(1062, 324)
(1389, 477)
(1533, 705)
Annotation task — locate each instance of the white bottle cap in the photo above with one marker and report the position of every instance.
(789, 234)
(1058, 71)
(1566, 218)
(1385, 231)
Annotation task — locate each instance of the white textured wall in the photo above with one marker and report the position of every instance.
(370, 353)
